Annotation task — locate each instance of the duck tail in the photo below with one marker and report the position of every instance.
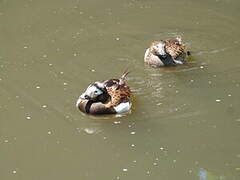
(179, 39)
(123, 77)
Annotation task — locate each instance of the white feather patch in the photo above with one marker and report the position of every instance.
(123, 107)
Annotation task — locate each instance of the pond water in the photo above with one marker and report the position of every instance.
(185, 120)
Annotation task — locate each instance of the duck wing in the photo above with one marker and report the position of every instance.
(175, 47)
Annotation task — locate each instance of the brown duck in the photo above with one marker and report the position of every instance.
(170, 52)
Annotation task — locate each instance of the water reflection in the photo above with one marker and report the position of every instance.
(203, 174)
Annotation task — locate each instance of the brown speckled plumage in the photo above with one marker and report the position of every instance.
(118, 91)
(175, 47)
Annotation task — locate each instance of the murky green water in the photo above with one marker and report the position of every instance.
(185, 120)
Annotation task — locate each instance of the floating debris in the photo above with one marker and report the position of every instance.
(125, 170)
(44, 106)
(133, 132)
(117, 122)
(14, 171)
(237, 169)
(49, 132)
(90, 130)
(218, 100)
(28, 117)
(37, 87)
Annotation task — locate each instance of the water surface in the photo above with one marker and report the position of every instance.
(185, 120)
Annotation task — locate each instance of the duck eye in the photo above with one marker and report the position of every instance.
(95, 92)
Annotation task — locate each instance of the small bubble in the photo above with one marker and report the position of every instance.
(133, 132)
(28, 117)
(155, 164)
(218, 100)
(229, 95)
(50, 64)
(44, 55)
(65, 84)
(133, 145)
(117, 38)
(49, 132)
(174, 161)
(61, 72)
(6, 141)
(44, 106)
(37, 87)
(191, 80)
(201, 67)
(93, 70)
(125, 170)
(75, 54)
(14, 171)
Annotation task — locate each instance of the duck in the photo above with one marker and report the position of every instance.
(106, 97)
(171, 52)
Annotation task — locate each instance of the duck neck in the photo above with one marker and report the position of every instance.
(167, 60)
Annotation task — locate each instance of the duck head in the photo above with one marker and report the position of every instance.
(93, 91)
(158, 48)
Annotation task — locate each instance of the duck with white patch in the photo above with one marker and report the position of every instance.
(106, 97)
(171, 52)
